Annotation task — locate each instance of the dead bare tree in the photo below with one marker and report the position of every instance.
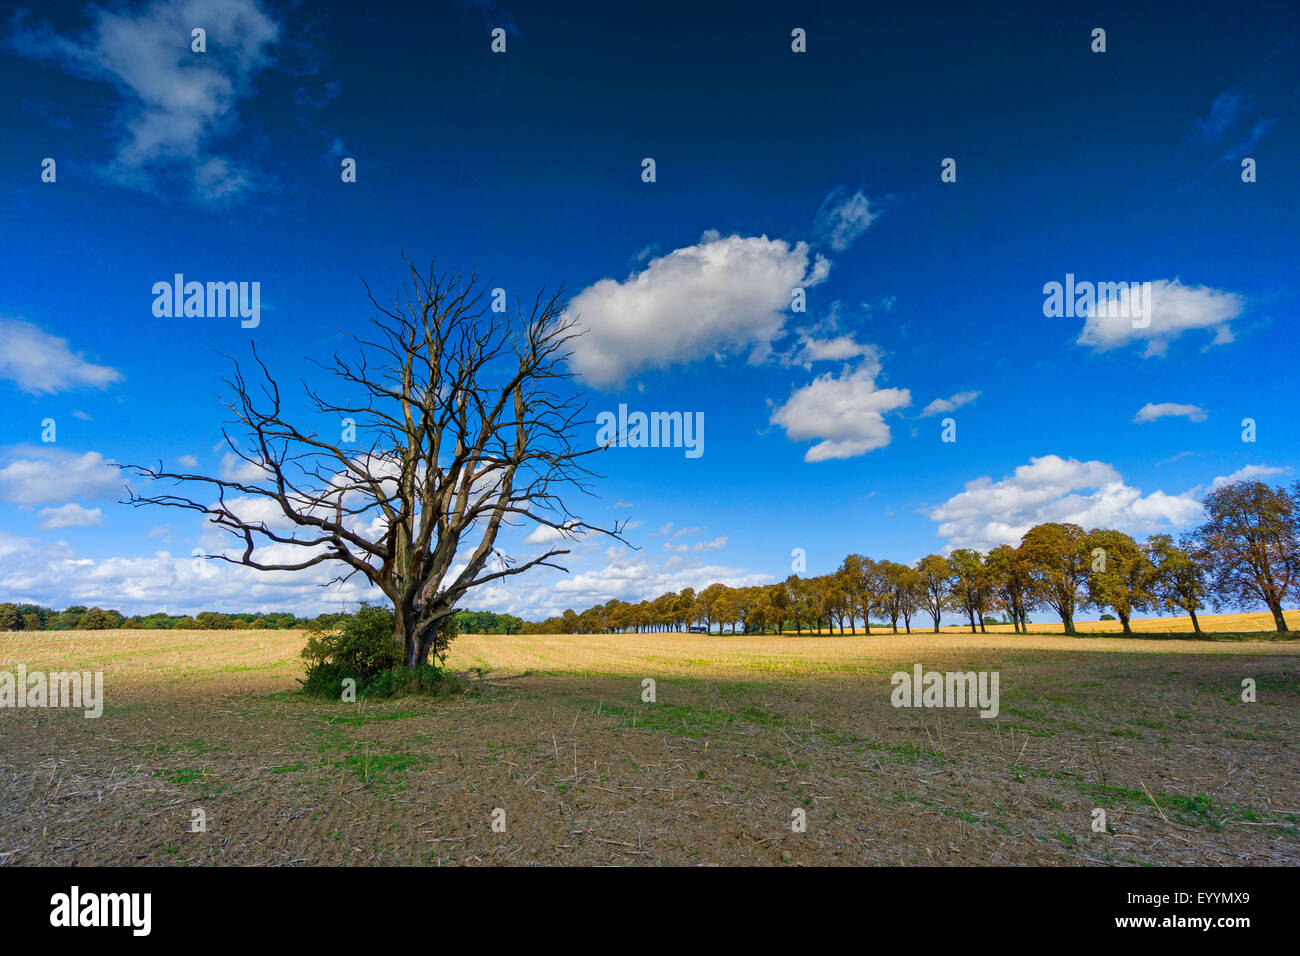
(470, 424)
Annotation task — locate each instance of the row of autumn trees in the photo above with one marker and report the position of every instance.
(1245, 554)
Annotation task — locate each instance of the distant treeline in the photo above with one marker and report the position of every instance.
(32, 617)
(486, 622)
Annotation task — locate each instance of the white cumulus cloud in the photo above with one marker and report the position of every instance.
(71, 515)
(35, 475)
(844, 412)
(724, 295)
(1175, 309)
(1247, 473)
(1091, 494)
(545, 534)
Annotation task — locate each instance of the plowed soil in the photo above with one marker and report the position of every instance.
(744, 731)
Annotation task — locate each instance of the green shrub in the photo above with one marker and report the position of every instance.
(326, 680)
(427, 680)
(362, 647)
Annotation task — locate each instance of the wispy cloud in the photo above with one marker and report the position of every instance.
(1249, 141)
(175, 104)
(1153, 411)
(40, 363)
(699, 547)
(835, 348)
(842, 218)
(1230, 110)
(941, 405)
(1223, 111)
(494, 15)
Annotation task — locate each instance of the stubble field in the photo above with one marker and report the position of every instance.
(744, 731)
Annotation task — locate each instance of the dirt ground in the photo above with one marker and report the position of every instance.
(744, 731)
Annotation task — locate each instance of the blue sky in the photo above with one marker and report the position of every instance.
(774, 170)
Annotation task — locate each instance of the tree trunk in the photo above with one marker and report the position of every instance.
(971, 612)
(1278, 617)
(1196, 625)
(1123, 620)
(416, 649)
(404, 631)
